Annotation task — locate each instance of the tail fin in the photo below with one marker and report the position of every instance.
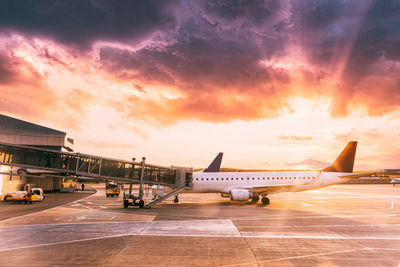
(345, 161)
(216, 164)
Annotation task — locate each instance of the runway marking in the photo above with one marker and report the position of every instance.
(146, 229)
(79, 204)
(302, 256)
(306, 204)
(103, 207)
(271, 217)
(90, 203)
(321, 237)
(62, 205)
(392, 206)
(64, 242)
(320, 226)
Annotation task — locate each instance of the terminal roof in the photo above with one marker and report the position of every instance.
(12, 126)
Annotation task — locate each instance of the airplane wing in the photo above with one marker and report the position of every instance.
(387, 172)
(359, 175)
(274, 188)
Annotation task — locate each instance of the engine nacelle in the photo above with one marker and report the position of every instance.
(240, 194)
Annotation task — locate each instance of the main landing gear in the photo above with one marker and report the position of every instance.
(265, 201)
(176, 199)
(255, 198)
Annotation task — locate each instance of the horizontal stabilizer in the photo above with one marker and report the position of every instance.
(216, 164)
(345, 161)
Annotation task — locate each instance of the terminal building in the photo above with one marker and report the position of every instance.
(19, 132)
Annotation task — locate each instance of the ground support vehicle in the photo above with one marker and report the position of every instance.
(34, 195)
(112, 190)
(131, 200)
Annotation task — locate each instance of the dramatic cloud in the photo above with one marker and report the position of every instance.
(216, 61)
(81, 23)
(23, 89)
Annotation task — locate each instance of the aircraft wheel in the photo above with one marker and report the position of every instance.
(176, 200)
(141, 204)
(255, 198)
(265, 200)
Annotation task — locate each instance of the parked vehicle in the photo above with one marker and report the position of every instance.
(33, 195)
(112, 190)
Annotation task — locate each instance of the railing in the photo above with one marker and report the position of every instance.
(84, 165)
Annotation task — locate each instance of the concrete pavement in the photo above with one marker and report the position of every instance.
(343, 225)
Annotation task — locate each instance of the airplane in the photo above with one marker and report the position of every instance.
(242, 186)
(395, 181)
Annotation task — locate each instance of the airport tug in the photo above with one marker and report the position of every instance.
(28, 195)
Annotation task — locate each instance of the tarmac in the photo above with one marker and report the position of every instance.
(342, 225)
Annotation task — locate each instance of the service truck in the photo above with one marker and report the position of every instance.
(33, 195)
(112, 190)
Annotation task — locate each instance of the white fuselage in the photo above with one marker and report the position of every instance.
(223, 182)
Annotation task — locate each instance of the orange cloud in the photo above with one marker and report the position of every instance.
(295, 138)
(24, 91)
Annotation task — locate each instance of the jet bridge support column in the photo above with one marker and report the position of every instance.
(130, 189)
(141, 179)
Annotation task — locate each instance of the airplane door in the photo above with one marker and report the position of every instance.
(320, 178)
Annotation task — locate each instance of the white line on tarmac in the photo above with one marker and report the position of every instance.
(103, 207)
(42, 210)
(306, 204)
(64, 242)
(318, 226)
(79, 204)
(213, 236)
(302, 256)
(90, 203)
(392, 206)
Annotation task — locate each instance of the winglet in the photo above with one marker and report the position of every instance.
(216, 164)
(345, 161)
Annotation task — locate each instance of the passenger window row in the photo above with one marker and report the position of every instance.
(259, 178)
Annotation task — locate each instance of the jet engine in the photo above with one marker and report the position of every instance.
(240, 194)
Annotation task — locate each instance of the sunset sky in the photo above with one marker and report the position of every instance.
(273, 84)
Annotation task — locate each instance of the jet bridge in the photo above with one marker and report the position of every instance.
(78, 165)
